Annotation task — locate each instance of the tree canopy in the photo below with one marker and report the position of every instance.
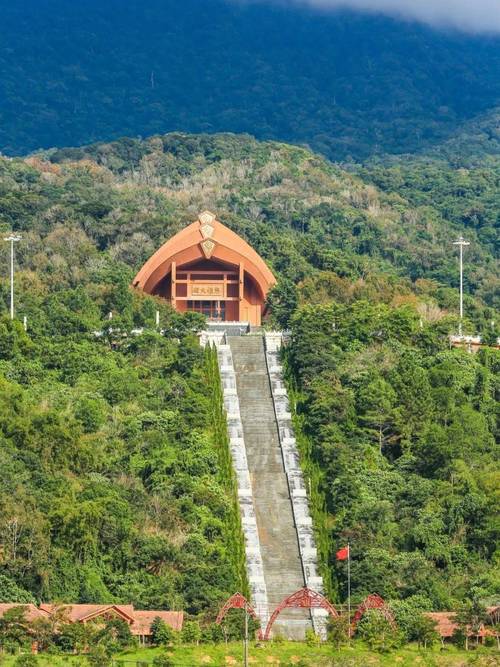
(116, 483)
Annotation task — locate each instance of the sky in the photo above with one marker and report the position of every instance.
(474, 16)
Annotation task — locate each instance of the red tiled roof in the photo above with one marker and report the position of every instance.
(32, 611)
(140, 621)
(446, 625)
(144, 619)
(84, 612)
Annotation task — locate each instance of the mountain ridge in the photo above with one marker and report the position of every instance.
(347, 84)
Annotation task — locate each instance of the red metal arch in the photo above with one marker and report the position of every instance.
(304, 598)
(373, 602)
(238, 601)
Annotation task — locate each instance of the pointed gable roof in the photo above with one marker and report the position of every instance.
(206, 238)
(86, 612)
(139, 621)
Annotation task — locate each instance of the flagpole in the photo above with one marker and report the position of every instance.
(349, 589)
(245, 642)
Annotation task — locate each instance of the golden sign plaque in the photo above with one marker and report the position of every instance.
(207, 290)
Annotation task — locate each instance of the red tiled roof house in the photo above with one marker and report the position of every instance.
(139, 621)
(446, 625)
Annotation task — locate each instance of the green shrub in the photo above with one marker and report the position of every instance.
(212, 633)
(338, 630)
(312, 639)
(191, 632)
(377, 632)
(99, 656)
(26, 660)
(163, 660)
(162, 634)
(115, 635)
(424, 630)
(407, 614)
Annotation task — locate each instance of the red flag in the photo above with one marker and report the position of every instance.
(343, 554)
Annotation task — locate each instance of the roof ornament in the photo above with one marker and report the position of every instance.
(207, 229)
(206, 217)
(208, 247)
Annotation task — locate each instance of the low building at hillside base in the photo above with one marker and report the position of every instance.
(140, 622)
(209, 269)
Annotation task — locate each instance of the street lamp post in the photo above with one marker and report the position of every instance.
(461, 243)
(13, 238)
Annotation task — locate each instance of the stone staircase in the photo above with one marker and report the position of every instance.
(277, 531)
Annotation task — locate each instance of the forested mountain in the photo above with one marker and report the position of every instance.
(475, 143)
(347, 84)
(459, 179)
(112, 485)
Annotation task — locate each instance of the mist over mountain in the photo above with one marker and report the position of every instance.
(348, 84)
(479, 16)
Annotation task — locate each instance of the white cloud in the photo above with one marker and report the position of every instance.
(468, 15)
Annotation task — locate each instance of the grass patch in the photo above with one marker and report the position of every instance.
(288, 654)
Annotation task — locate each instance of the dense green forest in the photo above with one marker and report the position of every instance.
(346, 84)
(459, 180)
(398, 433)
(111, 487)
(113, 479)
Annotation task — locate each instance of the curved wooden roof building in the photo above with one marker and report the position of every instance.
(208, 268)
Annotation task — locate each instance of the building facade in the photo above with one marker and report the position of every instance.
(209, 269)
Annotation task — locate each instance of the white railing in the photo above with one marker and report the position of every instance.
(254, 563)
(291, 461)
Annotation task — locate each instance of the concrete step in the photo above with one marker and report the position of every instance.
(275, 522)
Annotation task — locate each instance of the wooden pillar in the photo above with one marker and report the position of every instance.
(241, 288)
(173, 289)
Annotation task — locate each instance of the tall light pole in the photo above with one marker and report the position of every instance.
(13, 238)
(461, 243)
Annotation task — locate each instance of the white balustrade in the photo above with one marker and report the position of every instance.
(291, 462)
(254, 564)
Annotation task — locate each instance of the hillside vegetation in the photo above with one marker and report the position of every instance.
(113, 481)
(346, 84)
(111, 484)
(398, 437)
(336, 224)
(459, 180)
